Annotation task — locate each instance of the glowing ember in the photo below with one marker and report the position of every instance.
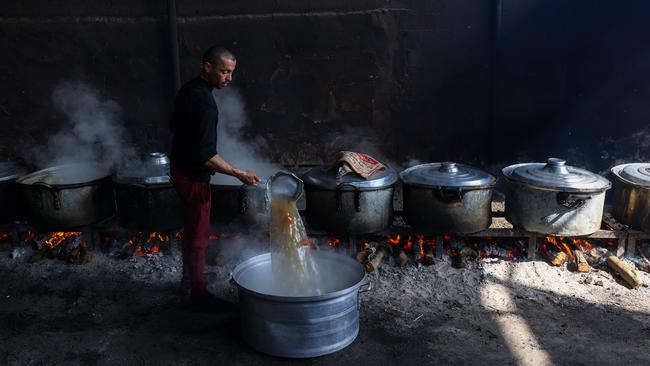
(55, 239)
(28, 236)
(334, 242)
(394, 241)
(4, 235)
(421, 245)
(409, 244)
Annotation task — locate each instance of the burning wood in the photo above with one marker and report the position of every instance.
(625, 270)
(429, 256)
(461, 259)
(402, 257)
(557, 258)
(363, 254)
(580, 261)
(374, 263)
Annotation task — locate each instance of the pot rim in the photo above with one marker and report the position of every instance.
(311, 298)
(59, 186)
(568, 190)
(616, 172)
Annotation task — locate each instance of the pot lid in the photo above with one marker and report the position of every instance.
(10, 170)
(68, 174)
(447, 174)
(635, 173)
(325, 177)
(556, 175)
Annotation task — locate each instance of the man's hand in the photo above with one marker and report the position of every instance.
(246, 176)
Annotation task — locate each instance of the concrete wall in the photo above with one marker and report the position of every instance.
(570, 78)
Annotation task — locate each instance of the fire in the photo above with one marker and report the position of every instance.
(179, 235)
(4, 235)
(421, 245)
(409, 243)
(394, 241)
(55, 239)
(334, 241)
(560, 245)
(30, 235)
(148, 243)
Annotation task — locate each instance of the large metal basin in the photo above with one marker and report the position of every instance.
(313, 325)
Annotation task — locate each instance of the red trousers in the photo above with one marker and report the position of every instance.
(195, 197)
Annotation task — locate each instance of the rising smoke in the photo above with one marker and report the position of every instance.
(232, 144)
(92, 132)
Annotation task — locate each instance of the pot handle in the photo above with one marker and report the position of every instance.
(366, 283)
(243, 200)
(339, 197)
(448, 196)
(572, 201)
(56, 198)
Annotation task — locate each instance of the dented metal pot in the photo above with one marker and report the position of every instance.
(447, 197)
(553, 198)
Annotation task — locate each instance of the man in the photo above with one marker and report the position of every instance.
(194, 159)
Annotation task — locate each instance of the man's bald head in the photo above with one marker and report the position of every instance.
(216, 53)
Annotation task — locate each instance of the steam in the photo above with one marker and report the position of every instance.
(232, 144)
(93, 130)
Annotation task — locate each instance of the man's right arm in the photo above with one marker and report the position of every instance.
(220, 165)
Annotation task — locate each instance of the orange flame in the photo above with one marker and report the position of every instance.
(30, 235)
(561, 245)
(55, 239)
(334, 241)
(409, 243)
(395, 240)
(421, 244)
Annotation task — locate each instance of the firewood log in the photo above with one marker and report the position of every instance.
(625, 270)
(402, 258)
(362, 255)
(375, 262)
(429, 257)
(461, 259)
(580, 261)
(558, 258)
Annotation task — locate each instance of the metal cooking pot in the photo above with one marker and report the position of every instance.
(245, 205)
(300, 326)
(350, 205)
(631, 203)
(9, 205)
(554, 198)
(67, 196)
(447, 197)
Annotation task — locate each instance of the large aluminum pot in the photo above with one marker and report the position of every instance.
(554, 198)
(10, 208)
(350, 205)
(313, 325)
(67, 196)
(631, 202)
(447, 197)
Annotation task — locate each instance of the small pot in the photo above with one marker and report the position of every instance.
(554, 198)
(10, 209)
(67, 196)
(447, 198)
(631, 202)
(350, 205)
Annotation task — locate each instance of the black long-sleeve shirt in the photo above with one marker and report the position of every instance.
(194, 125)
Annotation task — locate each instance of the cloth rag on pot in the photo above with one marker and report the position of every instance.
(359, 163)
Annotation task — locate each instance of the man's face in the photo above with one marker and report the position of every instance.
(220, 74)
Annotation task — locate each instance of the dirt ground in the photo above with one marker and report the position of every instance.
(129, 312)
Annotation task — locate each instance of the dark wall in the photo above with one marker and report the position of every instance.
(419, 79)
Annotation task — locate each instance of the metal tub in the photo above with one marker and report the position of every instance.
(300, 326)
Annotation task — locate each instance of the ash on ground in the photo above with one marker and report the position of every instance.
(110, 311)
